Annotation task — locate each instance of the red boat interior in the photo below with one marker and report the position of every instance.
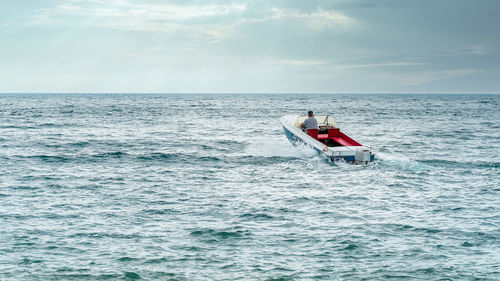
(332, 137)
(328, 133)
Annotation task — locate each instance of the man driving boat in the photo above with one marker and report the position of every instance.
(311, 125)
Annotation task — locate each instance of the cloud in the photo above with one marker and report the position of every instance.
(386, 64)
(424, 77)
(471, 50)
(208, 20)
(317, 20)
(328, 66)
(296, 63)
(141, 16)
(146, 11)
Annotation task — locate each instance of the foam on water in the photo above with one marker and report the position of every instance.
(279, 146)
(207, 187)
(402, 162)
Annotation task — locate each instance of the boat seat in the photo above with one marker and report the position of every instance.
(333, 132)
(313, 133)
(322, 136)
(342, 141)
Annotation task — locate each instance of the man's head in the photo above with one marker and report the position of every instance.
(310, 113)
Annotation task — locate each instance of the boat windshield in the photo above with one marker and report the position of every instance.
(323, 120)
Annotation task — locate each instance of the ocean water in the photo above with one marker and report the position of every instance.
(207, 187)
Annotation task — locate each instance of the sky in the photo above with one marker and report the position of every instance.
(296, 46)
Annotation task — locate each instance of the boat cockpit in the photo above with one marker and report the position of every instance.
(324, 122)
(329, 133)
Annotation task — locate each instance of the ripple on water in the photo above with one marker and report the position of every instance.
(217, 235)
(152, 187)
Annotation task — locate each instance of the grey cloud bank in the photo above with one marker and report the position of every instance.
(249, 46)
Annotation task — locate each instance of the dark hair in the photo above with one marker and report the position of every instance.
(310, 112)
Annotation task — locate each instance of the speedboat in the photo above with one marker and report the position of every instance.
(329, 141)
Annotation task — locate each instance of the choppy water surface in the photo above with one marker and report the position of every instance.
(203, 187)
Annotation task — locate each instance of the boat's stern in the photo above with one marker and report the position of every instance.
(351, 154)
(363, 155)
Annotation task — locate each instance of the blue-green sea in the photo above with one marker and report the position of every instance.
(207, 187)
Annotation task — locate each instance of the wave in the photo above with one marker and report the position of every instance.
(210, 235)
(277, 147)
(158, 157)
(459, 164)
(400, 162)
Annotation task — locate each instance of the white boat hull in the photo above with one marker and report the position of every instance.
(352, 154)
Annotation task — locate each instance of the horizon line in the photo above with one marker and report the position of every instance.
(251, 93)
